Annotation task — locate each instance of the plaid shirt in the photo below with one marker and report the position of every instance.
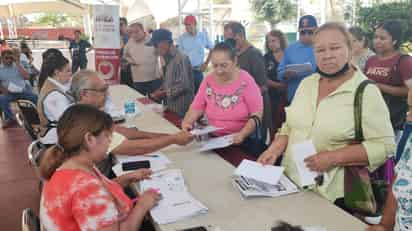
(178, 82)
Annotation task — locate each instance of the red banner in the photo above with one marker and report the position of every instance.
(107, 64)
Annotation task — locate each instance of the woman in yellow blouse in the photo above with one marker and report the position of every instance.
(322, 112)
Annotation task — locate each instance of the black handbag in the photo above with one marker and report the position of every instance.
(255, 143)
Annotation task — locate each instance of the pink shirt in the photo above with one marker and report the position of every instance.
(229, 106)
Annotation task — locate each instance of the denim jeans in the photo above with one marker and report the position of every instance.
(198, 77)
(402, 141)
(6, 99)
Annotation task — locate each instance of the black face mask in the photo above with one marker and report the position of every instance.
(342, 71)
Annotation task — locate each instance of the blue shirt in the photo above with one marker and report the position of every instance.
(194, 46)
(10, 74)
(79, 49)
(296, 53)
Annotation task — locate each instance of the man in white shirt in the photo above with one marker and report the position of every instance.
(143, 61)
(88, 88)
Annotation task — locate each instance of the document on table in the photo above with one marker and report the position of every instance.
(215, 143)
(177, 203)
(300, 152)
(305, 67)
(251, 188)
(205, 130)
(268, 174)
(158, 161)
(314, 228)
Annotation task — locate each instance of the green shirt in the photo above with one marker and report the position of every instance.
(330, 126)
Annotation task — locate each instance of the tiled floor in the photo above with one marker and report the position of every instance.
(18, 183)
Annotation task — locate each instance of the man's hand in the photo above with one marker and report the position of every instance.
(183, 137)
(289, 74)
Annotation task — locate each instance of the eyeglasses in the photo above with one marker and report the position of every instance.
(306, 32)
(101, 90)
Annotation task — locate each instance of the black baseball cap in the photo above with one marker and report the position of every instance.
(160, 35)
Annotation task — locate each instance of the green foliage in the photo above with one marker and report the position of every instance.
(369, 17)
(273, 11)
(57, 20)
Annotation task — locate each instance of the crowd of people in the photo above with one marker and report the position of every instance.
(244, 92)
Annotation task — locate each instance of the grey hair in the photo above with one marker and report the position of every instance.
(80, 81)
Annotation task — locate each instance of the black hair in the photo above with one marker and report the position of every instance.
(394, 28)
(124, 20)
(283, 226)
(53, 60)
(237, 28)
(358, 33)
(228, 46)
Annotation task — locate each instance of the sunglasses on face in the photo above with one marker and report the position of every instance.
(306, 32)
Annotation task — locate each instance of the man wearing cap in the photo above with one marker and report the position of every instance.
(143, 61)
(178, 84)
(193, 43)
(300, 52)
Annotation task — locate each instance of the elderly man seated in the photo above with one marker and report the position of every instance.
(13, 85)
(88, 88)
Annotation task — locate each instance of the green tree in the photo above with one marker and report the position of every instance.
(369, 17)
(57, 20)
(273, 11)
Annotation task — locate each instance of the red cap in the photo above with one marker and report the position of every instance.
(190, 19)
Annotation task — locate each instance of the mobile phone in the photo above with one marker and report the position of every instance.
(133, 165)
(197, 228)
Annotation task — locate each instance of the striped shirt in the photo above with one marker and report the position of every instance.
(178, 82)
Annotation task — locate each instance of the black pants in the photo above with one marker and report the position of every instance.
(76, 63)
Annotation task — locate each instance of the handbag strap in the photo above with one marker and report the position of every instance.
(258, 124)
(358, 109)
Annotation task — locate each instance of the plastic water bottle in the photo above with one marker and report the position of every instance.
(130, 108)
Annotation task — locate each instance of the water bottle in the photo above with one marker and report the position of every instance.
(130, 108)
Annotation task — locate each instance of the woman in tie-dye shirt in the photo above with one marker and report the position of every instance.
(76, 195)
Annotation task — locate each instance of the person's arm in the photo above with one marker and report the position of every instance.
(378, 138)
(275, 150)
(134, 220)
(393, 90)
(247, 129)
(258, 70)
(134, 133)
(209, 46)
(23, 72)
(192, 115)
(387, 222)
(276, 85)
(89, 46)
(143, 146)
(135, 176)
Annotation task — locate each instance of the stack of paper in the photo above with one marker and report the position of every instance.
(254, 179)
(176, 203)
(158, 161)
(215, 143)
(204, 130)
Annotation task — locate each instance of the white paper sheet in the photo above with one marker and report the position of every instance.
(300, 152)
(263, 173)
(158, 161)
(219, 142)
(314, 228)
(176, 203)
(299, 67)
(13, 88)
(205, 130)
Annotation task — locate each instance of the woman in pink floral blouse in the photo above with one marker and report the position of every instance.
(228, 97)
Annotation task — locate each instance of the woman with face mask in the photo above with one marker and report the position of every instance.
(322, 114)
(391, 70)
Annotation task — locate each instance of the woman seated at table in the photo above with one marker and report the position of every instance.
(76, 196)
(54, 98)
(322, 112)
(228, 97)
